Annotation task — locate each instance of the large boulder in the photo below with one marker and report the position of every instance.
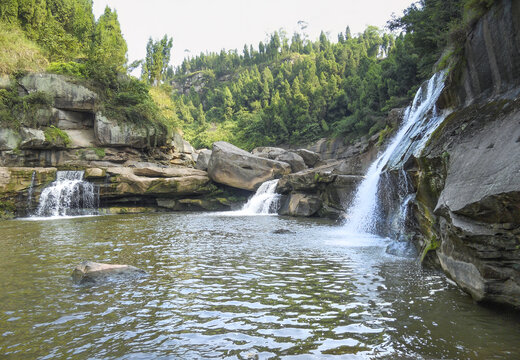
(65, 95)
(92, 272)
(180, 145)
(309, 157)
(293, 159)
(300, 204)
(203, 159)
(237, 168)
(33, 139)
(268, 152)
(111, 133)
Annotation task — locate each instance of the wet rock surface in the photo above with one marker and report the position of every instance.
(89, 272)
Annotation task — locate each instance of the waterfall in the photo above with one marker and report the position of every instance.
(30, 192)
(68, 195)
(420, 120)
(264, 202)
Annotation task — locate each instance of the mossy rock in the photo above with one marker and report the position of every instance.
(57, 137)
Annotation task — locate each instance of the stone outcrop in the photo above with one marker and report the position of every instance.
(237, 168)
(89, 272)
(322, 191)
(65, 95)
(170, 182)
(111, 133)
(203, 159)
(467, 212)
(300, 204)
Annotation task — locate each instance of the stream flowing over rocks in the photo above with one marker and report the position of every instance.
(453, 191)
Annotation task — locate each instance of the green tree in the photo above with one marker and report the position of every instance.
(108, 48)
(155, 66)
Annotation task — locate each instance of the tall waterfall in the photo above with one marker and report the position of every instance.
(68, 195)
(264, 202)
(420, 120)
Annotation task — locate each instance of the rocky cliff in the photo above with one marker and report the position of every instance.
(466, 216)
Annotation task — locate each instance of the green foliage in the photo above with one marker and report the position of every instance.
(100, 152)
(57, 136)
(68, 68)
(295, 92)
(16, 110)
(17, 52)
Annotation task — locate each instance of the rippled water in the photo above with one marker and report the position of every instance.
(227, 287)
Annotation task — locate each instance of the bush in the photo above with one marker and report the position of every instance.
(68, 68)
(57, 136)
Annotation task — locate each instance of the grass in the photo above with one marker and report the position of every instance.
(18, 53)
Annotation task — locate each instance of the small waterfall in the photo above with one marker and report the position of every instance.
(420, 120)
(68, 195)
(30, 192)
(264, 202)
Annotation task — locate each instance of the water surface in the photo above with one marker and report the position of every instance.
(227, 287)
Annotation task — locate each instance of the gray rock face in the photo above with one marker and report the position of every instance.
(335, 191)
(300, 204)
(33, 139)
(237, 168)
(268, 152)
(309, 157)
(181, 145)
(110, 133)
(92, 272)
(65, 94)
(468, 199)
(491, 58)
(9, 139)
(74, 120)
(479, 202)
(203, 159)
(293, 159)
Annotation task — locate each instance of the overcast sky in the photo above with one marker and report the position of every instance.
(211, 25)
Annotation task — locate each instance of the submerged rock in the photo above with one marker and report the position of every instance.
(92, 272)
(283, 231)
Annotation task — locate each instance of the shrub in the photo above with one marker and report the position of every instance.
(68, 68)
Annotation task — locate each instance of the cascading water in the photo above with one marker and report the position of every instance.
(30, 192)
(68, 195)
(420, 120)
(264, 202)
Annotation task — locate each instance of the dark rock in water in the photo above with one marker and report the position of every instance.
(301, 204)
(283, 231)
(92, 272)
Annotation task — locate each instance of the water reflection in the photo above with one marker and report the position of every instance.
(227, 287)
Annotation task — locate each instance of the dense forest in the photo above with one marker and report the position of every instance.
(285, 90)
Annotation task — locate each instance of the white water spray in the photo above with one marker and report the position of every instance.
(264, 202)
(68, 195)
(420, 120)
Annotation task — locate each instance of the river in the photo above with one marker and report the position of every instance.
(228, 287)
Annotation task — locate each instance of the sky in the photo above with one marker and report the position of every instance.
(211, 25)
